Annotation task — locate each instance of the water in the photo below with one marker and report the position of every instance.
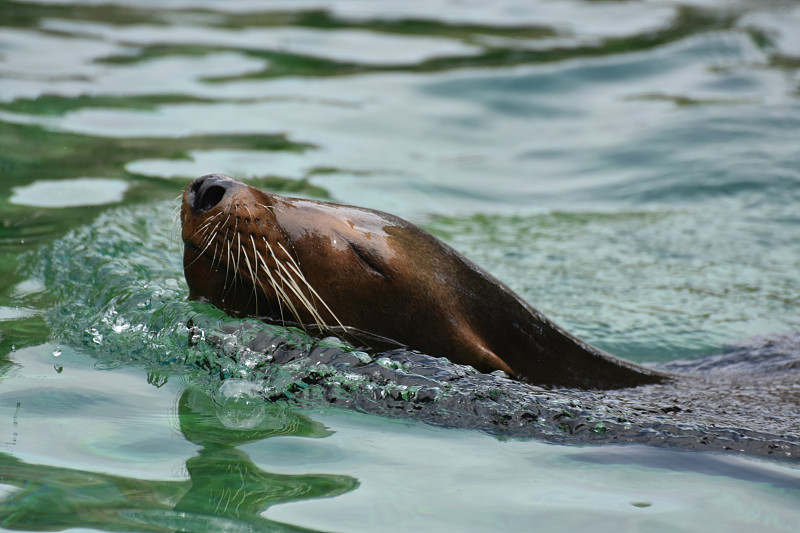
(631, 168)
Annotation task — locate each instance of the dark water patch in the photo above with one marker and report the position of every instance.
(687, 101)
(279, 63)
(29, 15)
(20, 333)
(422, 26)
(24, 228)
(511, 93)
(55, 105)
(790, 63)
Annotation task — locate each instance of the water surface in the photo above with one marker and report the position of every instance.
(630, 168)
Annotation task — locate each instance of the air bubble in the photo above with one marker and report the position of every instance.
(241, 404)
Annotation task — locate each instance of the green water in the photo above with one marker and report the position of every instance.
(630, 168)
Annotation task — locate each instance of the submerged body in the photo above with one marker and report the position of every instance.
(344, 268)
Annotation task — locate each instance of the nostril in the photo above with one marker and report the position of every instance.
(209, 197)
(208, 191)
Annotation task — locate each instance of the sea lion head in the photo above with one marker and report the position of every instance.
(238, 256)
(294, 261)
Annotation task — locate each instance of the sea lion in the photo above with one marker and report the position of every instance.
(348, 269)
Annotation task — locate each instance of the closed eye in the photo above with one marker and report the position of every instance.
(366, 259)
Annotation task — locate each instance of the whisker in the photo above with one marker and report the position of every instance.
(321, 324)
(176, 219)
(207, 239)
(218, 257)
(234, 261)
(292, 283)
(272, 280)
(279, 291)
(293, 264)
(253, 279)
(281, 294)
(209, 234)
(215, 256)
(227, 260)
(205, 225)
(286, 279)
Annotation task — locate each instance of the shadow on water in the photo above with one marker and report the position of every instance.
(225, 490)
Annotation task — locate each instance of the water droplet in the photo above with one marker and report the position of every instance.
(57, 352)
(97, 337)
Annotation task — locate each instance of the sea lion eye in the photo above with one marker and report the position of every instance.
(366, 259)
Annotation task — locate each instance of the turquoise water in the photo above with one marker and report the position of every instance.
(630, 168)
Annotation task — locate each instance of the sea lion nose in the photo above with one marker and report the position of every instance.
(207, 191)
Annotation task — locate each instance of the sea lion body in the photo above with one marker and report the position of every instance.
(297, 261)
